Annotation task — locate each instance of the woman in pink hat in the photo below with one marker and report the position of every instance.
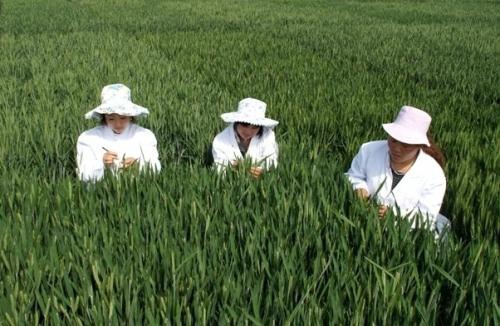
(405, 171)
(249, 135)
(118, 143)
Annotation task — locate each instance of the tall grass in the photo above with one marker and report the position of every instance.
(297, 247)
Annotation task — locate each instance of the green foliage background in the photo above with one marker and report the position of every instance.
(295, 247)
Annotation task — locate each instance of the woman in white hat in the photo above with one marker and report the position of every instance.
(403, 172)
(118, 142)
(249, 135)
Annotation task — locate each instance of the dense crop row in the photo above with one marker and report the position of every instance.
(296, 246)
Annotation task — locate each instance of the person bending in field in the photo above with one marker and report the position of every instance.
(405, 171)
(118, 143)
(248, 137)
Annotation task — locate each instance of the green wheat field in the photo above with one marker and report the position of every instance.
(296, 247)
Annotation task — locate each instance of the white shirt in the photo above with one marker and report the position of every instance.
(421, 189)
(263, 150)
(134, 141)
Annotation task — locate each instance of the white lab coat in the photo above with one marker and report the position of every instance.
(135, 141)
(421, 189)
(263, 150)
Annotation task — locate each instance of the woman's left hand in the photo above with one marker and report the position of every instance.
(256, 172)
(128, 162)
(382, 210)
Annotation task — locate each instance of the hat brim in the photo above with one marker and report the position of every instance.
(125, 108)
(232, 117)
(404, 135)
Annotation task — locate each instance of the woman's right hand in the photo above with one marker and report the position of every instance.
(362, 193)
(109, 158)
(382, 210)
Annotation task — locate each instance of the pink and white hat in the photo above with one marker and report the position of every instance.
(116, 98)
(250, 111)
(410, 126)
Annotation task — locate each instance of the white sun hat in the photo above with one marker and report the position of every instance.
(250, 111)
(116, 98)
(410, 127)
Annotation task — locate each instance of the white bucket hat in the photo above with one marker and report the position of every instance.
(410, 126)
(250, 111)
(116, 98)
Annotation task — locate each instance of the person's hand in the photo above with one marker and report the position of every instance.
(362, 193)
(256, 172)
(128, 161)
(382, 210)
(109, 158)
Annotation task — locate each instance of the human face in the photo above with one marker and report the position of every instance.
(247, 131)
(401, 152)
(117, 123)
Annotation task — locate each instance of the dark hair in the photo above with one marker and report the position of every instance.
(434, 151)
(103, 119)
(259, 133)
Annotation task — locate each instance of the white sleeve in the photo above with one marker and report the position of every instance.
(271, 151)
(90, 164)
(149, 152)
(357, 171)
(431, 198)
(221, 159)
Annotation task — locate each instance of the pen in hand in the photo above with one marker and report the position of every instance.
(109, 158)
